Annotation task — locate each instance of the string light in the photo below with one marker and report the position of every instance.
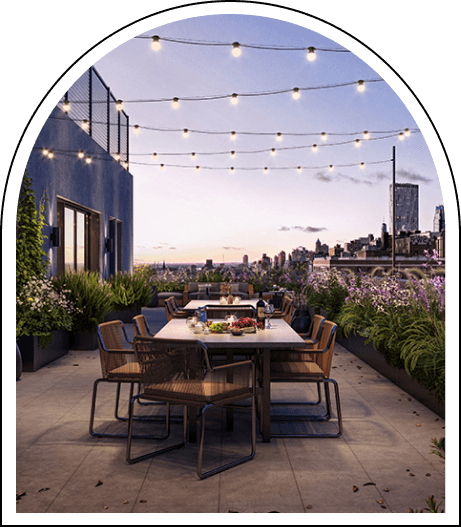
(66, 106)
(193, 156)
(175, 102)
(232, 170)
(45, 151)
(185, 132)
(125, 165)
(233, 136)
(81, 155)
(366, 135)
(360, 86)
(197, 169)
(136, 129)
(323, 135)
(155, 43)
(311, 54)
(236, 51)
(266, 170)
(85, 124)
(296, 94)
(362, 165)
(357, 143)
(162, 166)
(232, 154)
(50, 154)
(88, 160)
(407, 132)
(234, 99)
(273, 152)
(154, 156)
(401, 136)
(299, 170)
(119, 105)
(331, 168)
(314, 148)
(279, 136)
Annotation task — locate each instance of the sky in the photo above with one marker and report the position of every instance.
(181, 215)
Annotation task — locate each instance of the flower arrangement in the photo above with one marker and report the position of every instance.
(247, 322)
(43, 307)
(225, 288)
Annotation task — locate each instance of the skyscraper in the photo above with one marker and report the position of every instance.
(406, 207)
(439, 219)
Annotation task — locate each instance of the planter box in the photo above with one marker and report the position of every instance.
(35, 357)
(83, 340)
(366, 352)
(154, 301)
(125, 315)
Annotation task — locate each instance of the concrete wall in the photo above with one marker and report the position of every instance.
(103, 186)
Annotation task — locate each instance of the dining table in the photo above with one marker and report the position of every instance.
(259, 343)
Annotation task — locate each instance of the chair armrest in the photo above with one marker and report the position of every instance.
(233, 365)
(120, 351)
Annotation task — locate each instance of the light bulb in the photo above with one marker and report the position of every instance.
(311, 54)
(125, 165)
(296, 94)
(362, 165)
(366, 135)
(279, 136)
(314, 148)
(45, 151)
(88, 160)
(117, 156)
(266, 170)
(85, 124)
(299, 169)
(273, 152)
(233, 136)
(66, 106)
(154, 156)
(401, 136)
(193, 156)
(232, 170)
(185, 132)
(175, 102)
(233, 154)
(234, 99)
(357, 142)
(236, 49)
(162, 166)
(323, 135)
(119, 105)
(155, 43)
(80, 155)
(330, 168)
(360, 86)
(136, 129)
(407, 132)
(197, 169)
(50, 155)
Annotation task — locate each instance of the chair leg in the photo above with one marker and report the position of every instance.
(338, 410)
(301, 403)
(157, 452)
(143, 418)
(148, 403)
(203, 475)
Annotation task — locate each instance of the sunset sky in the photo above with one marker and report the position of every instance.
(186, 216)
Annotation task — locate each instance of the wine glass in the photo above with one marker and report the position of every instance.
(268, 312)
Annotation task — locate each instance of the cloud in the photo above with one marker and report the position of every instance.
(323, 177)
(172, 248)
(303, 229)
(382, 175)
(233, 248)
(412, 176)
(158, 247)
(163, 243)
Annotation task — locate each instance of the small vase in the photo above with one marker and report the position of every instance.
(230, 299)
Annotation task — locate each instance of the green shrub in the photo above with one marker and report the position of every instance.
(128, 290)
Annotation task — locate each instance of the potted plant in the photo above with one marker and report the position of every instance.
(149, 273)
(129, 294)
(92, 297)
(44, 315)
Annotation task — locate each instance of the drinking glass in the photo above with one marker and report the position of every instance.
(268, 312)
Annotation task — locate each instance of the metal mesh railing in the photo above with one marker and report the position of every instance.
(92, 106)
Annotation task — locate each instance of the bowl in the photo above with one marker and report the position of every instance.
(237, 332)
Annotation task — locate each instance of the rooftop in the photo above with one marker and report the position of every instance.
(381, 463)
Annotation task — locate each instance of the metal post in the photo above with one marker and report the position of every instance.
(108, 120)
(90, 102)
(393, 209)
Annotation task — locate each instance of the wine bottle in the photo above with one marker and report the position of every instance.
(260, 307)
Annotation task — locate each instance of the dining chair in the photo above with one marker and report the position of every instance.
(141, 328)
(178, 372)
(177, 310)
(316, 370)
(118, 365)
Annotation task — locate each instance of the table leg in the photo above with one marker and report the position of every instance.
(229, 411)
(266, 396)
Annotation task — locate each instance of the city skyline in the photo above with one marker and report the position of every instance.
(263, 212)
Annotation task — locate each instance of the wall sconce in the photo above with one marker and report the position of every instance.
(109, 245)
(55, 236)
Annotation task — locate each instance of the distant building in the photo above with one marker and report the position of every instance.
(406, 206)
(209, 264)
(439, 219)
(299, 254)
(282, 258)
(265, 262)
(245, 260)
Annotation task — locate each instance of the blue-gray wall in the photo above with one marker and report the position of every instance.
(103, 186)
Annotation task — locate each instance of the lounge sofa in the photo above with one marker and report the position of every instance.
(212, 291)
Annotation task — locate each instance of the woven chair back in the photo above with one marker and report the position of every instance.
(169, 309)
(327, 341)
(140, 326)
(317, 326)
(111, 337)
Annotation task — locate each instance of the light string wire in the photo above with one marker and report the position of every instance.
(242, 45)
(230, 96)
(222, 132)
(108, 157)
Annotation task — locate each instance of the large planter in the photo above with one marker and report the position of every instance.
(35, 356)
(367, 352)
(154, 300)
(83, 340)
(18, 363)
(125, 315)
(301, 320)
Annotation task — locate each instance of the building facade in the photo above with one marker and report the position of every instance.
(90, 198)
(406, 206)
(439, 219)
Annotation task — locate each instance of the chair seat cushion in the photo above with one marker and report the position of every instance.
(296, 369)
(127, 371)
(196, 390)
